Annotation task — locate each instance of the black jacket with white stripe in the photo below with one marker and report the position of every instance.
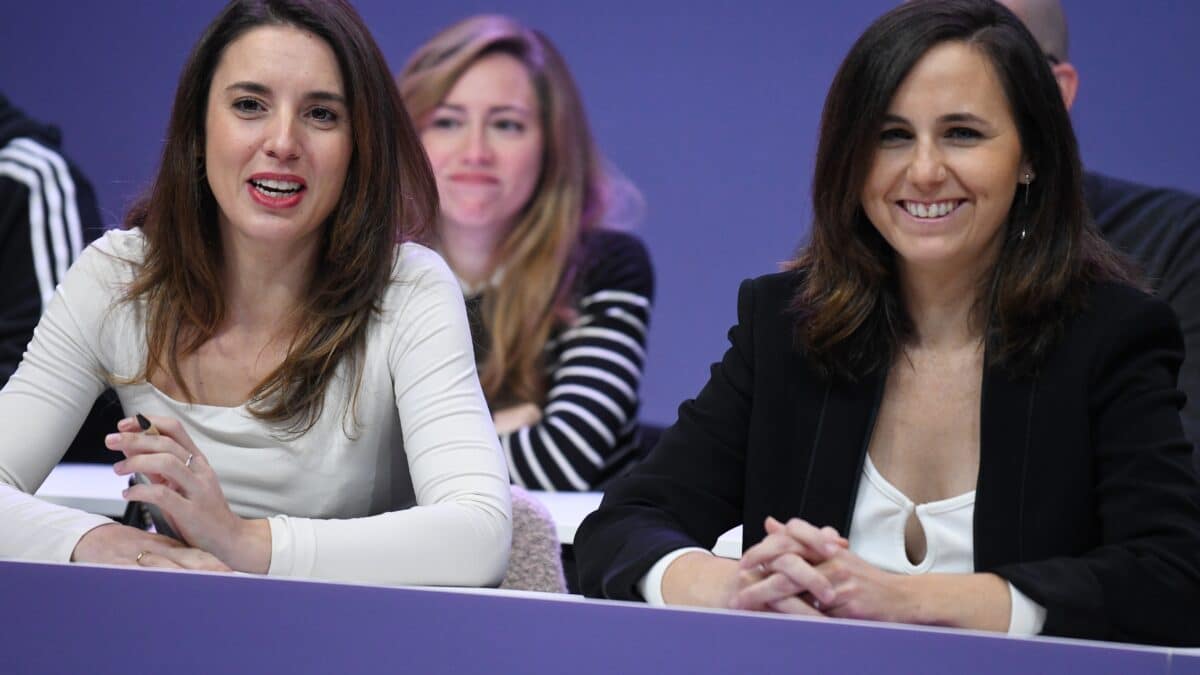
(47, 215)
(589, 428)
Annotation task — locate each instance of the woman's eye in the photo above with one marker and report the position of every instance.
(444, 123)
(247, 105)
(964, 134)
(323, 115)
(509, 125)
(894, 135)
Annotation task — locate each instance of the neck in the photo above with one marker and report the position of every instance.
(941, 304)
(265, 283)
(470, 251)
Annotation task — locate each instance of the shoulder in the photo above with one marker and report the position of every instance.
(1120, 324)
(614, 260)
(771, 293)
(417, 264)
(114, 256)
(1114, 304)
(419, 273)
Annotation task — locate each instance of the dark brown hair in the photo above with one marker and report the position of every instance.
(541, 256)
(850, 318)
(389, 195)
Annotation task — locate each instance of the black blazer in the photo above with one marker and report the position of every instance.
(1086, 500)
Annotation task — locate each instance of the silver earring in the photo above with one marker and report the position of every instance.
(1022, 234)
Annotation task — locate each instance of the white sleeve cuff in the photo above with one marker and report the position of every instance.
(650, 585)
(1027, 617)
(293, 547)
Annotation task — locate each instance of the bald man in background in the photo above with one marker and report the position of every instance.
(1158, 228)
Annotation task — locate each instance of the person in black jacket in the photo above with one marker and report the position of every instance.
(956, 408)
(1159, 228)
(48, 213)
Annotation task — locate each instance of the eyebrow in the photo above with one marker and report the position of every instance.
(951, 118)
(491, 111)
(263, 90)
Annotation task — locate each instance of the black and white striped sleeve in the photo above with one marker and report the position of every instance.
(47, 212)
(590, 417)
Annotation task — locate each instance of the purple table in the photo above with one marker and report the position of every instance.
(68, 618)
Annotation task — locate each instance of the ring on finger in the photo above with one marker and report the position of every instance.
(187, 464)
(138, 559)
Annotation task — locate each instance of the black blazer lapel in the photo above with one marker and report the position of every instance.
(839, 446)
(1007, 408)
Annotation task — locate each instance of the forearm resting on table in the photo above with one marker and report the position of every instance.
(980, 601)
(700, 579)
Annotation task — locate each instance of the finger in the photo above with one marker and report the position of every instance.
(173, 428)
(794, 605)
(128, 425)
(137, 443)
(817, 541)
(178, 476)
(152, 559)
(172, 504)
(196, 559)
(758, 596)
(833, 535)
(769, 548)
(805, 577)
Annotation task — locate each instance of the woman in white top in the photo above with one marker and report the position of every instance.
(311, 380)
(955, 408)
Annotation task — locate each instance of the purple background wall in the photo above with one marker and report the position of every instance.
(710, 107)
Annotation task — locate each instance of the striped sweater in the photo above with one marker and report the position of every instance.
(589, 427)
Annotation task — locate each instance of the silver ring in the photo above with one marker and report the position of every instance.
(816, 604)
(138, 559)
(188, 463)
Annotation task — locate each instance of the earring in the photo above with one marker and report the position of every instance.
(1026, 179)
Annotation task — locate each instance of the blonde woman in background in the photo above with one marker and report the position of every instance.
(559, 303)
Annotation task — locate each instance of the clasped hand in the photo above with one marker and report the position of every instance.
(801, 569)
(185, 489)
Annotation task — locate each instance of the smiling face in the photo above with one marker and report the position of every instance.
(947, 164)
(484, 143)
(277, 136)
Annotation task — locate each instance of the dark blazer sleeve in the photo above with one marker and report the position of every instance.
(1142, 583)
(689, 490)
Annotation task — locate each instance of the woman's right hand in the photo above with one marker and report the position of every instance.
(116, 544)
(780, 572)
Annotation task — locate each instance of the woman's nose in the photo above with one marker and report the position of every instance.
(282, 142)
(927, 168)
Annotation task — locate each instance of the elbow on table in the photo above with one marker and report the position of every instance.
(484, 550)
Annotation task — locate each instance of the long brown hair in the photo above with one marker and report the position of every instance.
(850, 318)
(541, 254)
(389, 194)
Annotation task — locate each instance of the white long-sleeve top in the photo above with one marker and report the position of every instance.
(416, 493)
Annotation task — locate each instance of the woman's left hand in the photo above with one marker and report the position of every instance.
(185, 488)
(863, 591)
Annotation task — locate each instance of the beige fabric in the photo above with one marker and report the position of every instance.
(536, 560)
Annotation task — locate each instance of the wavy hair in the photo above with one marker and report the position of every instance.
(542, 254)
(849, 315)
(389, 195)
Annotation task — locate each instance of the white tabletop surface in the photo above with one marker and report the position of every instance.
(96, 489)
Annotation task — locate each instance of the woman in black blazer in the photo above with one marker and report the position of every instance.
(955, 408)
